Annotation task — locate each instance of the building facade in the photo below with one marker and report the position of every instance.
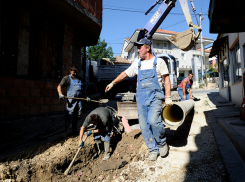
(229, 48)
(39, 41)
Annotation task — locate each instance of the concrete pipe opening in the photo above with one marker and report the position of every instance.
(174, 116)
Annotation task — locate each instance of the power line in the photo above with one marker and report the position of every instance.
(124, 7)
(177, 23)
(136, 11)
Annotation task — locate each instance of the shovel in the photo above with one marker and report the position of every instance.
(100, 101)
(67, 170)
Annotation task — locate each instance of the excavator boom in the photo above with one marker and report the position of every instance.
(183, 40)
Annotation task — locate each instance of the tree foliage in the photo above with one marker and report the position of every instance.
(210, 68)
(99, 51)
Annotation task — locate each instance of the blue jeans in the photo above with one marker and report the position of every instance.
(105, 136)
(180, 91)
(151, 125)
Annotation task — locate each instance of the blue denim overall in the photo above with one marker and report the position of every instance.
(180, 90)
(74, 107)
(149, 98)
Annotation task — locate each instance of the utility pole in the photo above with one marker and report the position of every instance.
(202, 52)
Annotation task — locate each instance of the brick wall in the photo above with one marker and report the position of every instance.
(44, 51)
(20, 97)
(67, 50)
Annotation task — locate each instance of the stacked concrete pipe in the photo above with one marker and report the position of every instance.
(173, 116)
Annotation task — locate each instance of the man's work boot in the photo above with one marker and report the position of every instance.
(153, 156)
(107, 148)
(163, 150)
(98, 143)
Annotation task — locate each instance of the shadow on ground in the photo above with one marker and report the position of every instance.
(178, 138)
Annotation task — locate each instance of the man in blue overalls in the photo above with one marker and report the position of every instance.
(185, 88)
(74, 86)
(149, 96)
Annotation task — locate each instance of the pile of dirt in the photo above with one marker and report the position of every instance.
(48, 162)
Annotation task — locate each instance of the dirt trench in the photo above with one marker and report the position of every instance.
(48, 162)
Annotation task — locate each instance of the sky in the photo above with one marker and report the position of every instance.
(122, 17)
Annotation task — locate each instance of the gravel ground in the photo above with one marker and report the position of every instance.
(193, 154)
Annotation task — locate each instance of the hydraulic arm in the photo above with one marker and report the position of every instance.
(184, 40)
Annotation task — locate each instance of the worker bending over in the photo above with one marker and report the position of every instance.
(102, 119)
(74, 86)
(185, 88)
(149, 96)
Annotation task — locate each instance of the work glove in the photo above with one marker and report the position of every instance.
(88, 99)
(61, 96)
(168, 101)
(89, 132)
(109, 87)
(80, 144)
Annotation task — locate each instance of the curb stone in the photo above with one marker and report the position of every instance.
(234, 165)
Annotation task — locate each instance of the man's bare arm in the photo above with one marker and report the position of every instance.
(184, 87)
(81, 133)
(59, 89)
(167, 85)
(120, 78)
(191, 92)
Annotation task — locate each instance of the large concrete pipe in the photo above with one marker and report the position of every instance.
(174, 116)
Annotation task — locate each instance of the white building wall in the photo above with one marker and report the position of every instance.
(235, 88)
(236, 93)
(123, 53)
(186, 65)
(223, 92)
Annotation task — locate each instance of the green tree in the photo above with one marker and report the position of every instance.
(99, 51)
(210, 68)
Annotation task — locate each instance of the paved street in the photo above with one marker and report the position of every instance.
(204, 91)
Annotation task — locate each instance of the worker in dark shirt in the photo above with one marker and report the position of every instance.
(102, 119)
(74, 86)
